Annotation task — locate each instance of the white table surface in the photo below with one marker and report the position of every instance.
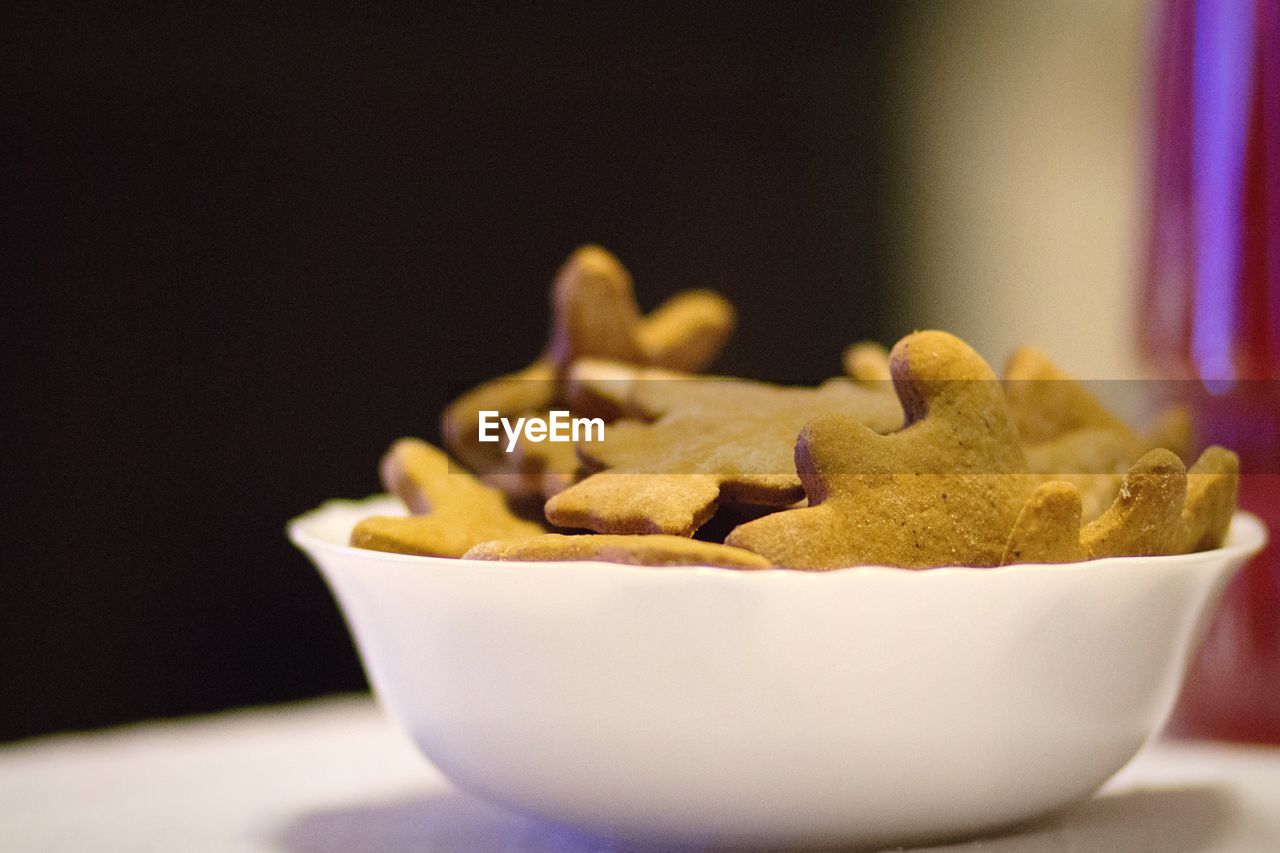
(334, 775)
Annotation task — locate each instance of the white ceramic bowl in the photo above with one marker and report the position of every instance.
(866, 705)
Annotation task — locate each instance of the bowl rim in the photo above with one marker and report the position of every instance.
(1246, 536)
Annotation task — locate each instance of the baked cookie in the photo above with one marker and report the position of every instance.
(1159, 510)
(1146, 517)
(1069, 435)
(708, 442)
(452, 510)
(656, 550)
(1212, 484)
(593, 314)
(1047, 529)
(944, 490)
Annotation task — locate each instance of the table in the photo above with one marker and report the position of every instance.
(335, 775)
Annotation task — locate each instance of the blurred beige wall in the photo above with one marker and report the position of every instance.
(1022, 175)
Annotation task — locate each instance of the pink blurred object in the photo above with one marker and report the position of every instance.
(1211, 313)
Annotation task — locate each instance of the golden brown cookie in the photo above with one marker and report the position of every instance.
(646, 393)
(1146, 517)
(867, 361)
(1172, 429)
(594, 314)
(712, 441)
(532, 389)
(1048, 527)
(1047, 403)
(1093, 460)
(944, 490)
(686, 332)
(1069, 435)
(547, 467)
(1212, 484)
(452, 509)
(653, 550)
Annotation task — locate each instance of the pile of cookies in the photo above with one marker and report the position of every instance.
(916, 458)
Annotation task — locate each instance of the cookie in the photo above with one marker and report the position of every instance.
(546, 467)
(944, 490)
(532, 389)
(1212, 483)
(452, 510)
(1172, 428)
(687, 331)
(707, 442)
(868, 362)
(594, 314)
(1159, 510)
(1047, 529)
(1146, 517)
(1047, 403)
(1069, 435)
(1093, 460)
(654, 550)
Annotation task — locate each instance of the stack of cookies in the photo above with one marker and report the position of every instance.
(917, 457)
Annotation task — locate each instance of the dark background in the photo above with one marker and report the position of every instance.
(246, 253)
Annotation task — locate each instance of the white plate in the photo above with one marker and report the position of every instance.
(866, 705)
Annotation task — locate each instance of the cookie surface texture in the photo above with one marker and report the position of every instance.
(656, 550)
(1047, 529)
(1068, 434)
(1146, 517)
(1212, 484)
(944, 490)
(868, 362)
(710, 442)
(1047, 403)
(593, 315)
(452, 510)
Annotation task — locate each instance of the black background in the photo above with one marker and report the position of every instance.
(245, 253)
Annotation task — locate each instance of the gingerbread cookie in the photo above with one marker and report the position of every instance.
(1047, 529)
(452, 509)
(1159, 511)
(944, 490)
(1047, 404)
(1069, 435)
(1146, 517)
(532, 389)
(867, 362)
(1212, 484)
(594, 314)
(654, 550)
(1092, 460)
(710, 441)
